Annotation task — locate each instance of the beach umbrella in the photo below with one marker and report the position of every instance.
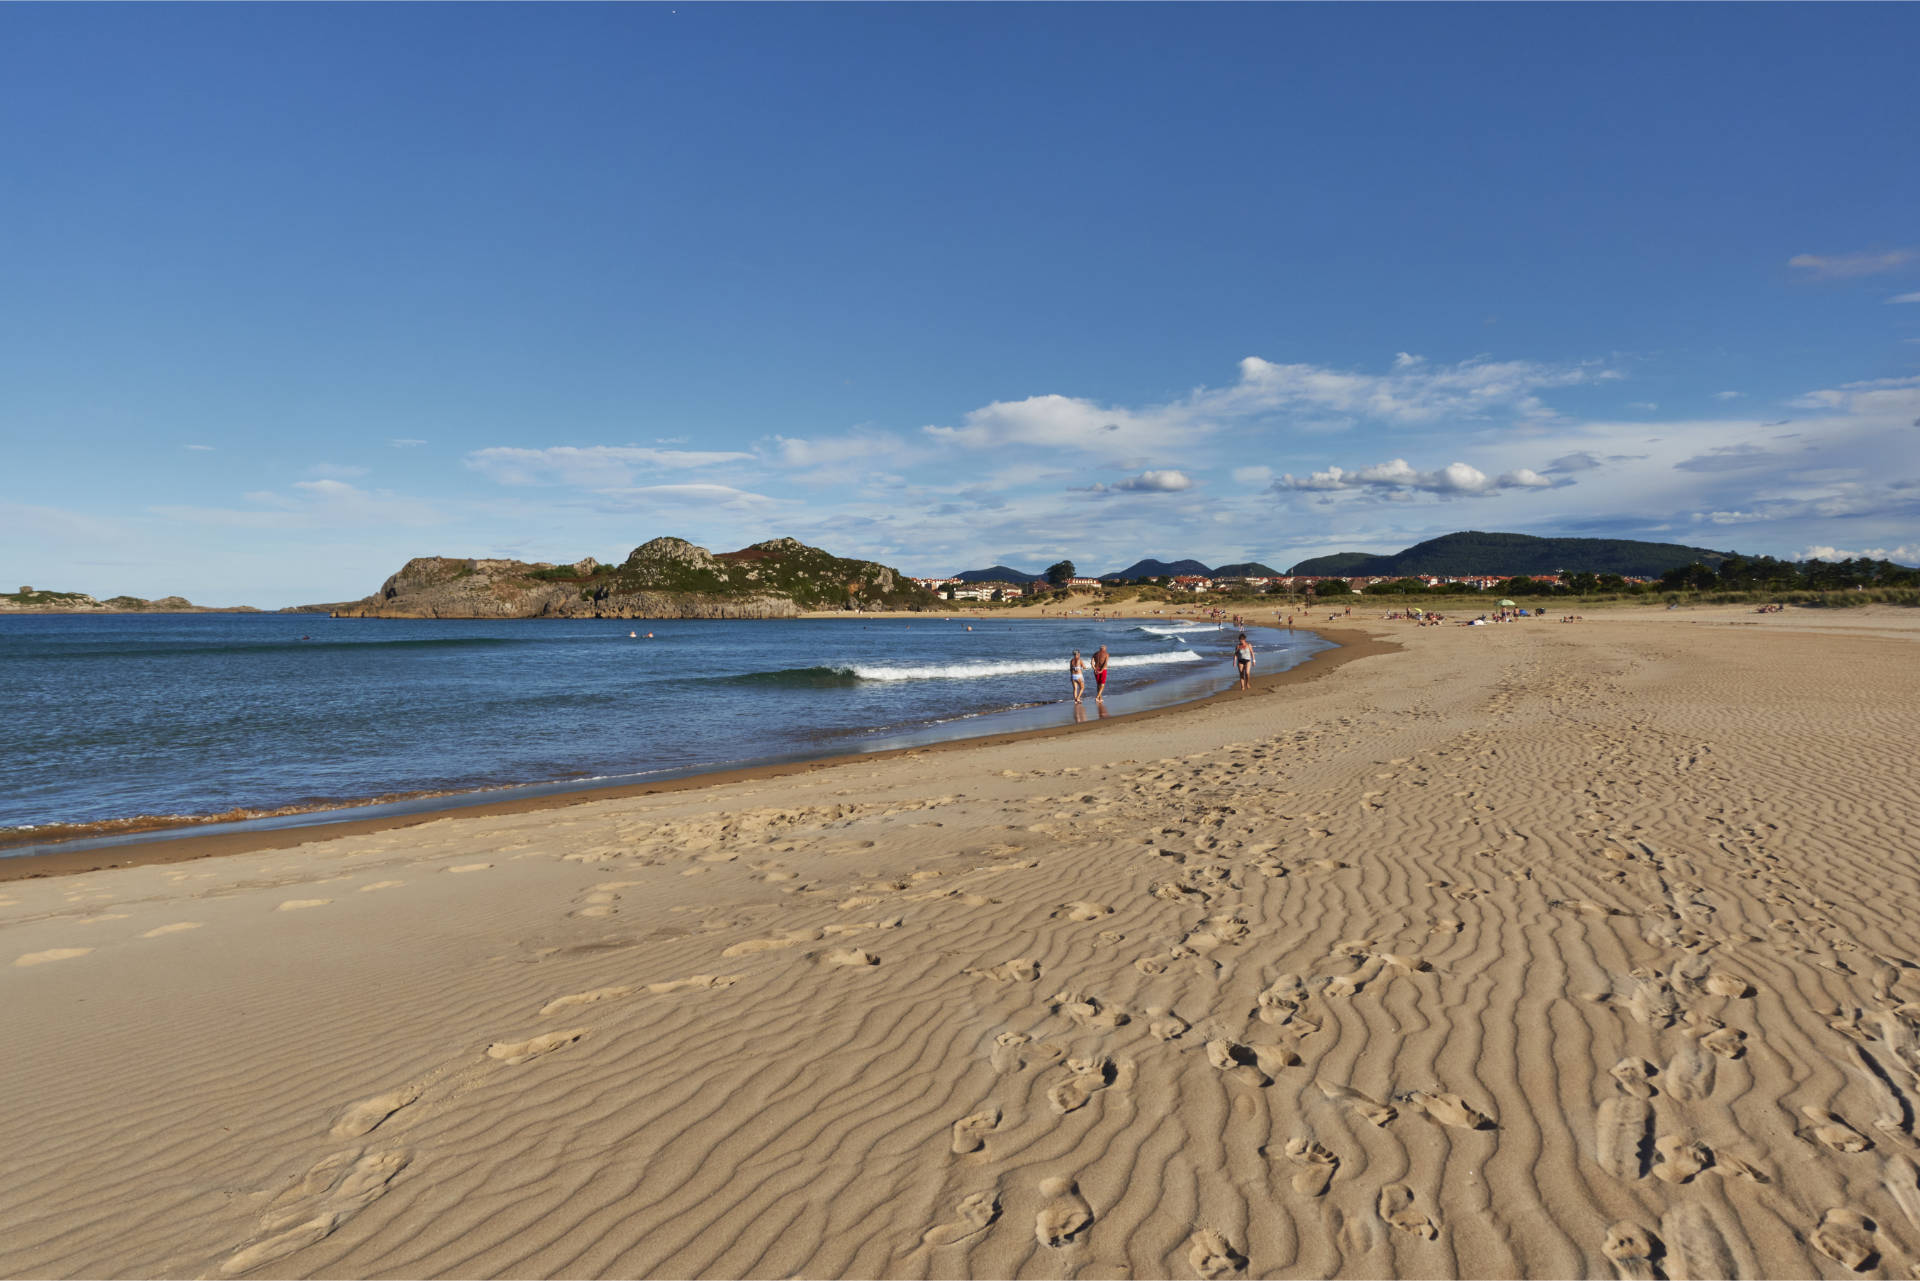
(1506, 604)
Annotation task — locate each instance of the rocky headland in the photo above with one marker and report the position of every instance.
(29, 600)
(665, 578)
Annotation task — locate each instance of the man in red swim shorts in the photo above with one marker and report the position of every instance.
(1100, 674)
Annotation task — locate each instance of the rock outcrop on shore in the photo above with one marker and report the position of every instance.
(664, 578)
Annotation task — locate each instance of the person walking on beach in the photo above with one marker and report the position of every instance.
(1076, 672)
(1100, 675)
(1243, 660)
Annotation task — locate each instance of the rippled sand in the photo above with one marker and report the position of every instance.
(1531, 950)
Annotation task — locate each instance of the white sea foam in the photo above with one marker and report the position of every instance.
(1175, 629)
(1012, 667)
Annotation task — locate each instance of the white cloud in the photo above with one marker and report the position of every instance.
(1456, 479)
(1726, 395)
(1147, 482)
(596, 466)
(1873, 395)
(199, 449)
(1908, 554)
(1415, 393)
(855, 447)
(1644, 406)
(1912, 297)
(1848, 266)
(1155, 482)
(694, 494)
(1258, 474)
(1067, 422)
(315, 504)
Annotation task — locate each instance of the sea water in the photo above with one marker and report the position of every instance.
(114, 716)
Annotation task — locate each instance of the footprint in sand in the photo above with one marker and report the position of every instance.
(560, 1003)
(1903, 1185)
(1680, 1158)
(974, 1214)
(1065, 1215)
(1239, 1062)
(701, 981)
(1087, 1077)
(513, 1052)
(366, 1116)
(1211, 1255)
(1006, 1055)
(849, 956)
(1089, 1013)
(176, 928)
(381, 885)
(331, 1193)
(597, 904)
(1630, 1248)
(52, 954)
(1632, 1075)
(1690, 1072)
(1620, 1136)
(1397, 1206)
(1380, 1114)
(970, 1132)
(470, 867)
(1727, 1042)
(1451, 1109)
(1846, 1237)
(1832, 1129)
(1722, 984)
(751, 946)
(1084, 911)
(1695, 1249)
(1317, 1166)
(301, 904)
(1165, 1024)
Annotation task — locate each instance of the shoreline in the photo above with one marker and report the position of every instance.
(150, 846)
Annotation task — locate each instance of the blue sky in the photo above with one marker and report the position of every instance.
(292, 293)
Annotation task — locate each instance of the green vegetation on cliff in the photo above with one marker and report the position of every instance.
(809, 577)
(664, 578)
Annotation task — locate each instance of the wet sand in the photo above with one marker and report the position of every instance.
(1527, 950)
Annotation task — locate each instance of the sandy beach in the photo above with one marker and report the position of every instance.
(1523, 950)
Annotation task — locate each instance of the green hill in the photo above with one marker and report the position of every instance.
(1246, 569)
(1475, 552)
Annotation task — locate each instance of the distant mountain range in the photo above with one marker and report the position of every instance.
(1139, 569)
(997, 574)
(1158, 569)
(1474, 552)
(1469, 552)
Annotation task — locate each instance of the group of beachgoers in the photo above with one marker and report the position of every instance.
(1077, 668)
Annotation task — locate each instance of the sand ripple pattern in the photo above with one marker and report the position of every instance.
(1563, 951)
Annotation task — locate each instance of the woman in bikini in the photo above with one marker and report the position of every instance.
(1076, 672)
(1243, 660)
